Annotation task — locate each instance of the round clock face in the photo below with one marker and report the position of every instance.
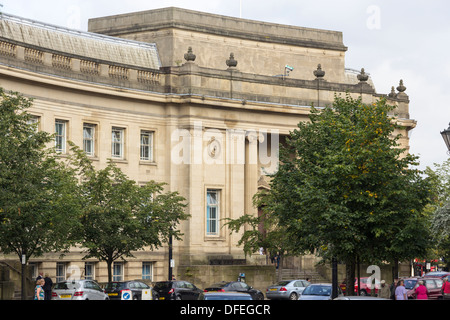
(214, 149)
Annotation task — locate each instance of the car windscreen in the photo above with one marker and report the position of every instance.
(229, 297)
(163, 285)
(115, 286)
(67, 286)
(283, 283)
(317, 290)
(410, 284)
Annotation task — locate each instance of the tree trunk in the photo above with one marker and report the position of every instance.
(109, 263)
(350, 278)
(395, 270)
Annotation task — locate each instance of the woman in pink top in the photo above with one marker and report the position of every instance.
(421, 291)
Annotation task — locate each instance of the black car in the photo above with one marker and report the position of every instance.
(236, 286)
(176, 290)
(138, 288)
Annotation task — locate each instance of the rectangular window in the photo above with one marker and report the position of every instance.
(60, 271)
(34, 120)
(118, 138)
(89, 270)
(147, 271)
(60, 136)
(147, 145)
(89, 139)
(117, 271)
(212, 212)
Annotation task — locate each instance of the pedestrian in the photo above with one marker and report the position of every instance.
(277, 260)
(400, 291)
(384, 291)
(48, 283)
(39, 290)
(446, 289)
(40, 276)
(393, 287)
(421, 291)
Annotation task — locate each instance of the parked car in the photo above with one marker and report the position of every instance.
(319, 291)
(236, 286)
(433, 285)
(359, 298)
(286, 289)
(437, 274)
(176, 290)
(137, 288)
(78, 290)
(364, 288)
(224, 296)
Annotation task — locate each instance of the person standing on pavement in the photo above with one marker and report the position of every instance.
(48, 283)
(384, 291)
(38, 290)
(393, 287)
(421, 291)
(446, 289)
(400, 291)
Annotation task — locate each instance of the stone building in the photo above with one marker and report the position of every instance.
(196, 100)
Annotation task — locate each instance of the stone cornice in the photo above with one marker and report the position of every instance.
(194, 21)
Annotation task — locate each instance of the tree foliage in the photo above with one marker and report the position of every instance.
(345, 188)
(119, 216)
(38, 202)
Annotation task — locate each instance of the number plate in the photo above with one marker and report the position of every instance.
(65, 296)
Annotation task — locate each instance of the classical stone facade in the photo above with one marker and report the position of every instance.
(198, 101)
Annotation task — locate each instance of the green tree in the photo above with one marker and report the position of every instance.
(439, 209)
(119, 216)
(346, 189)
(38, 203)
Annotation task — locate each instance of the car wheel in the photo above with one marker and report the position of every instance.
(363, 293)
(178, 298)
(135, 298)
(259, 296)
(293, 296)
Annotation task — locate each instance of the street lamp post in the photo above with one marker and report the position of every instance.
(446, 136)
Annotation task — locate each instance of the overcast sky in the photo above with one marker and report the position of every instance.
(392, 40)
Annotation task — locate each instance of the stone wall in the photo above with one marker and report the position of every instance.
(259, 277)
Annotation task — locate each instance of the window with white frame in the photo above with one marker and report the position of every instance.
(60, 135)
(117, 271)
(34, 120)
(89, 270)
(60, 271)
(147, 271)
(89, 139)
(212, 212)
(147, 145)
(118, 140)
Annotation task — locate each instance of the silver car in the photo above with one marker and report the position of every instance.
(78, 290)
(287, 289)
(319, 291)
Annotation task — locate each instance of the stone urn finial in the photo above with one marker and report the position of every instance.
(231, 63)
(189, 56)
(319, 73)
(392, 94)
(363, 77)
(401, 87)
